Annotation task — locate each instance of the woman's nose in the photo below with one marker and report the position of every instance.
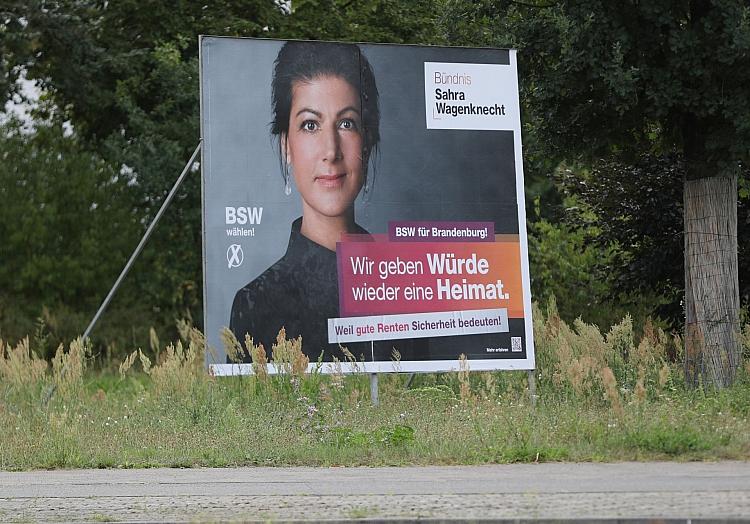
(332, 146)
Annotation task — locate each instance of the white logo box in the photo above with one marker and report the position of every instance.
(472, 96)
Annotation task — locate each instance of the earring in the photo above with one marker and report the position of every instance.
(287, 174)
(368, 180)
(286, 168)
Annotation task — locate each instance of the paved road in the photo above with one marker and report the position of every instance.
(680, 491)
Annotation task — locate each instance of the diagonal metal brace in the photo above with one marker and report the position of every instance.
(143, 241)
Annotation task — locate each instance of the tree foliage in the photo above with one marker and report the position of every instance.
(125, 74)
(641, 95)
(602, 78)
(66, 223)
(638, 207)
(638, 93)
(63, 216)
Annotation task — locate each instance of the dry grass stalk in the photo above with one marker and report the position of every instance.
(620, 340)
(259, 358)
(651, 349)
(324, 394)
(591, 345)
(490, 385)
(396, 359)
(350, 359)
(198, 340)
(573, 360)
(126, 364)
(154, 342)
(354, 397)
(145, 362)
(288, 357)
(576, 372)
(561, 352)
(191, 335)
(574, 357)
(663, 376)
(232, 346)
(463, 378)
(20, 366)
(610, 390)
(68, 367)
(179, 370)
(184, 325)
(577, 355)
(554, 322)
(337, 375)
(639, 392)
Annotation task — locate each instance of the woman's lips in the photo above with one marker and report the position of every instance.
(334, 180)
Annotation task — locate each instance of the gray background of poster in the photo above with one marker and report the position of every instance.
(420, 174)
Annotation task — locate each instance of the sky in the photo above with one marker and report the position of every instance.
(22, 109)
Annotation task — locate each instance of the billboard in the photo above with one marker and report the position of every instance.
(367, 197)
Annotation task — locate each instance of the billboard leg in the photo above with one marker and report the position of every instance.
(374, 389)
(530, 374)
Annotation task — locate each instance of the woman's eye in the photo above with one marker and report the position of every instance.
(348, 123)
(309, 125)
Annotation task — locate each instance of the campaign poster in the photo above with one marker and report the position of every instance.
(367, 198)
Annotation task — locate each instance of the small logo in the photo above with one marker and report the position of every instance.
(235, 256)
(243, 215)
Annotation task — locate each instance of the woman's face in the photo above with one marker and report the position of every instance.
(324, 145)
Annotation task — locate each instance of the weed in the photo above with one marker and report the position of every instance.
(439, 393)
(260, 362)
(68, 367)
(20, 366)
(600, 396)
(463, 379)
(288, 356)
(668, 440)
(232, 346)
(613, 395)
(396, 435)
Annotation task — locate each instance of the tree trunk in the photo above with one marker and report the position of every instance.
(712, 348)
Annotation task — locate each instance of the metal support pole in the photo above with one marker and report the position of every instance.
(374, 389)
(143, 241)
(531, 375)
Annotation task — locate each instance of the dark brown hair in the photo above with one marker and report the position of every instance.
(305, 61)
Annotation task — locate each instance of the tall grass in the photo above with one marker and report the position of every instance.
(601, 396)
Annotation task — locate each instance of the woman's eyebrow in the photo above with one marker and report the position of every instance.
(308, 110)
(320, 115)
(347, 109)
